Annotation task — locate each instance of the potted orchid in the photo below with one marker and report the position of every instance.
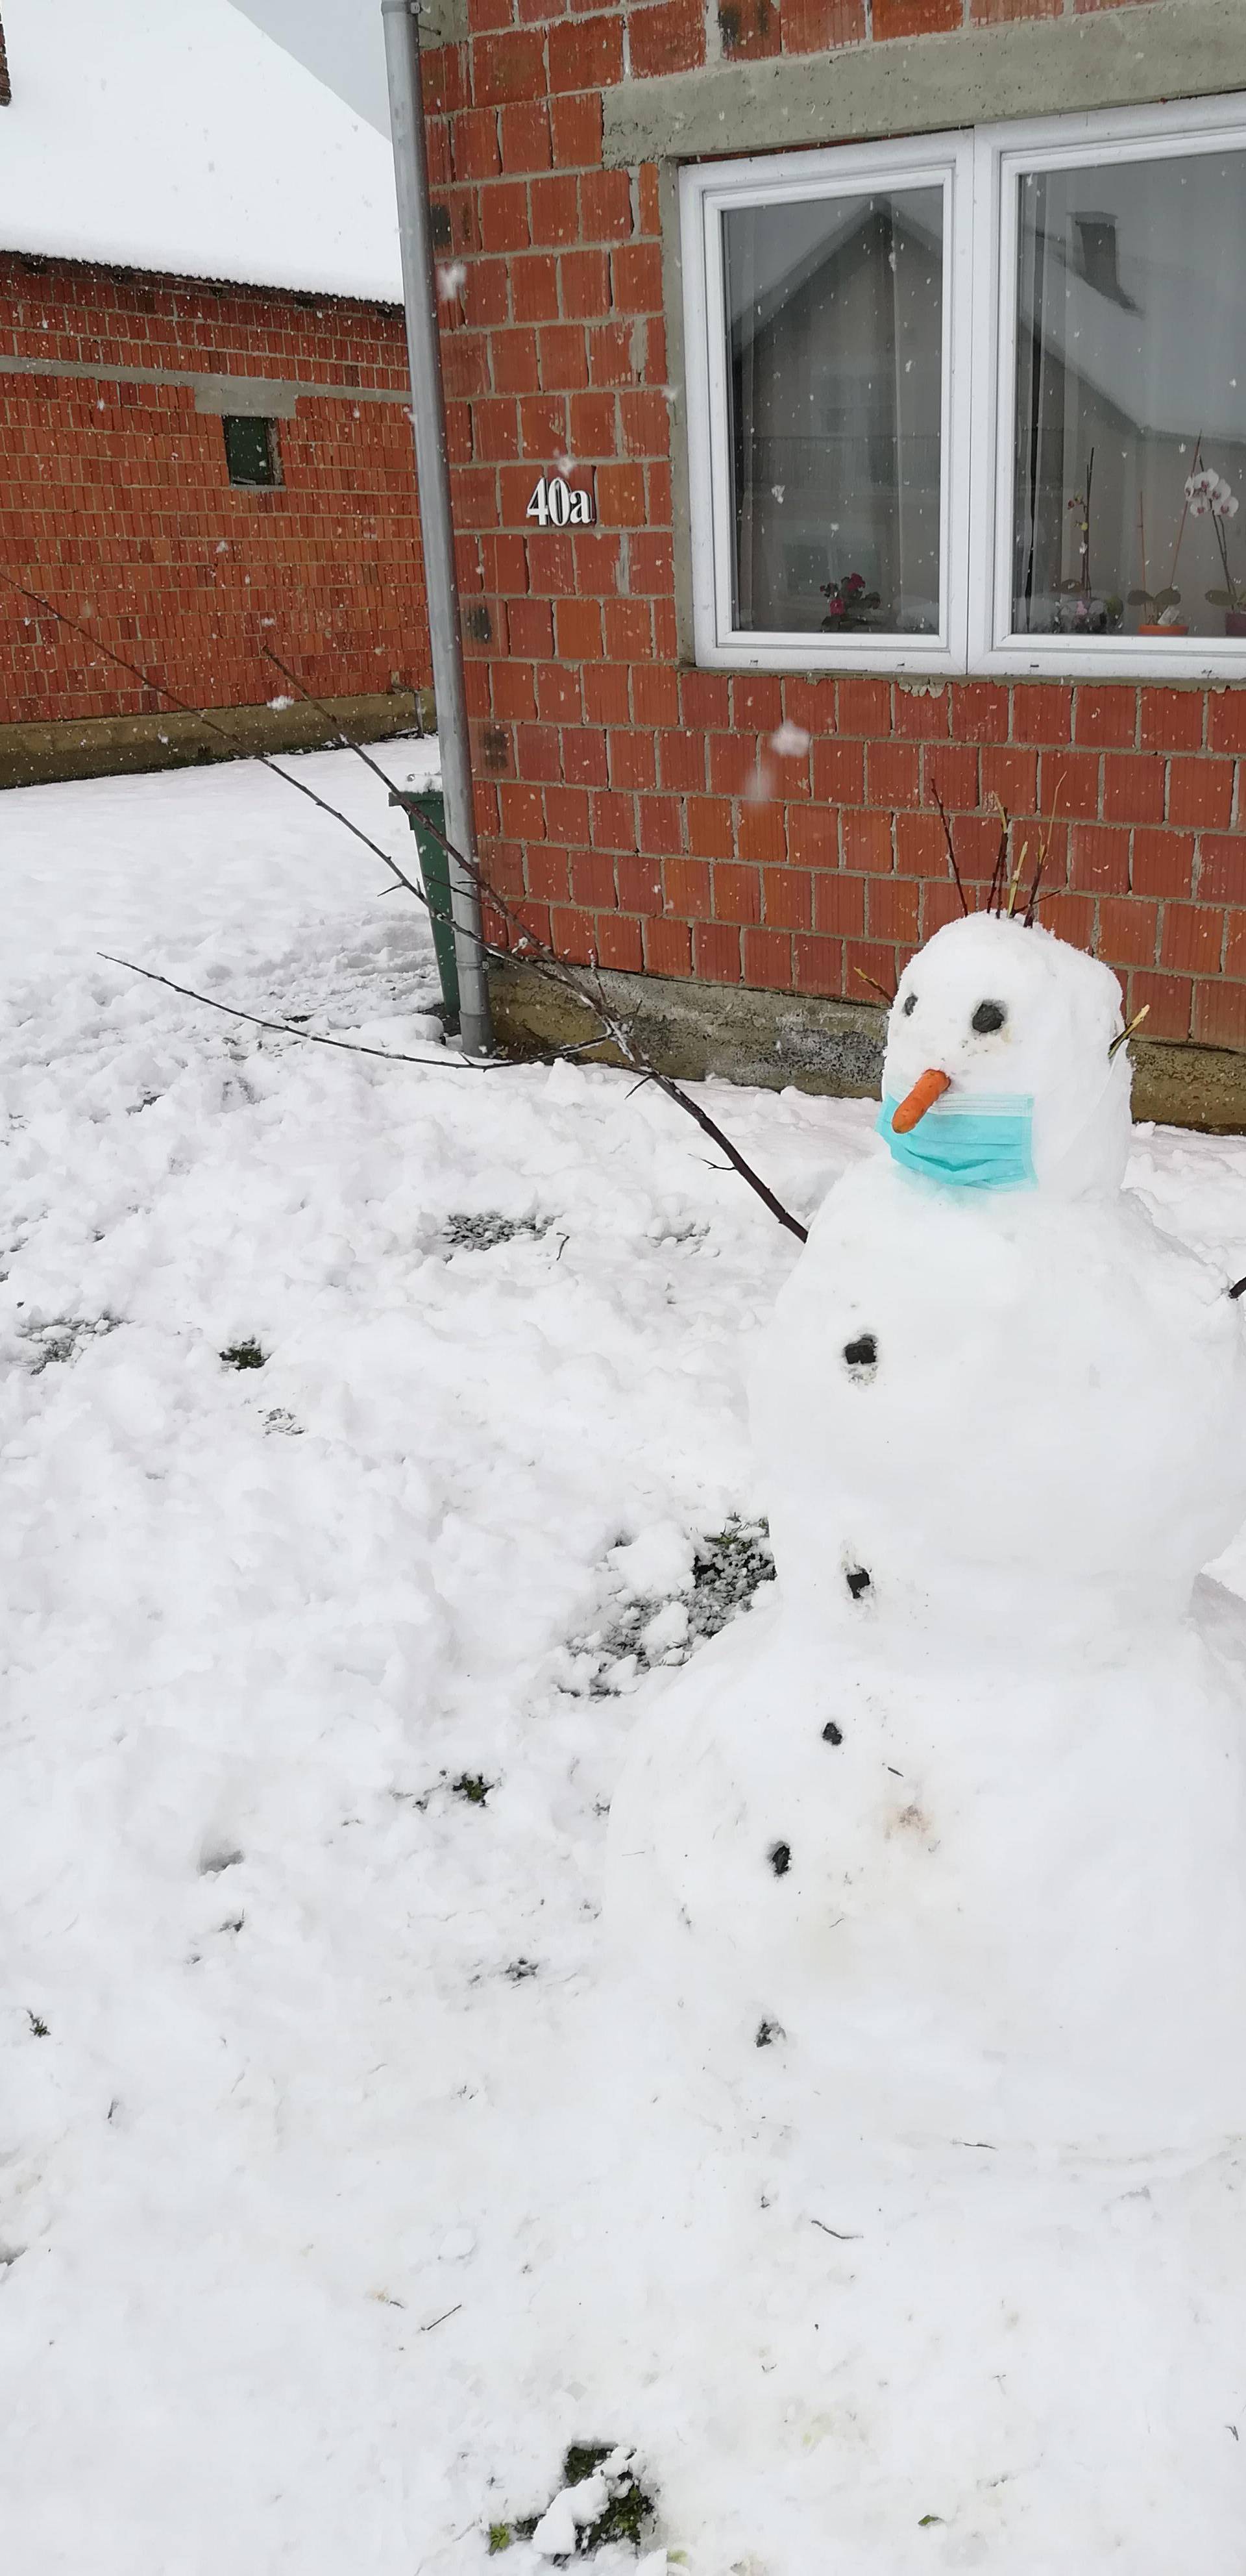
(1210, 497)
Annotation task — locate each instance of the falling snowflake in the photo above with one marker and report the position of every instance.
(791, 741)
(451, 281)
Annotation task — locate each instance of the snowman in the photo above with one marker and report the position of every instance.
(949, 1836)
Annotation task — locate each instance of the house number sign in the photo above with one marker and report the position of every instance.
(555, 505)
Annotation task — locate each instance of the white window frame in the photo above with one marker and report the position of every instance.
(979, 171)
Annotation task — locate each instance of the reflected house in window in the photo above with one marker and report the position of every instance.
(835, 316)
(1131, 350)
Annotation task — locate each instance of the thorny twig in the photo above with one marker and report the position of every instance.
(290, 1028)
(554, 970)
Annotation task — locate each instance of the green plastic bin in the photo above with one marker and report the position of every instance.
(422, 806)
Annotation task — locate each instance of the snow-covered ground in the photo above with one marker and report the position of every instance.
(319, 1673)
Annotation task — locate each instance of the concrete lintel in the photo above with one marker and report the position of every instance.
(33, 755)
(1120, 57)
(245, 397)
(735, 1034)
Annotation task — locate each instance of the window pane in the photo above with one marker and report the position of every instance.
(835, 321)
(250, 449)
(1131, 379)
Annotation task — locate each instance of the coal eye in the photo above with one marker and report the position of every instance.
(909, 1005)
(988, 1017)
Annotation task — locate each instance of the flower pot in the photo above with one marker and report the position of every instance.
(1235, 621)
(1179, 629)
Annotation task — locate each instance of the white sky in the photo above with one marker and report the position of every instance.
(339, 40)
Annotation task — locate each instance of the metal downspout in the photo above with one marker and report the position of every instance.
(406, 107)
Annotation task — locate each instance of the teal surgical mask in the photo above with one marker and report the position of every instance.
(972, 1142)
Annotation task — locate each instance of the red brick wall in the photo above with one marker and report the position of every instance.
(610, 777)
(115, 501)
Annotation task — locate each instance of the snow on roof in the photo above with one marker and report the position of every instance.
(174, 135)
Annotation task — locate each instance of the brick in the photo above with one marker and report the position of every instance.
(893, 773)
(534, 288)
(1071, 917)
(660, 819)
(606, 204)
(1220, 1014)
(614, 820)
(563, 356)
(640, 884)
(620, 943)
(1127, 931)
(1169, 1003)
(1011, 774)
(891, 908)
(1099, 858)
(515, 368)
(810, 703)
(915, 17)
(611, 358)
(572, 937)
(813, 835)
(710, 828)
(566, 813)
(866, 840)
(839, 905)
(1192, 938)
(651, 562)
(629, 629)
(632, 763)
(818, 26)
(980, 711)
(1133, 787)
(1162, 863)
(750, 30)
(548, 873)
(655, 695)
(522, 811)
(921, 850)
(555, 205)
(475, 144)
(592, 425)
(1041, 712)
(940, 904)
(504, 216)
(575, 131)
(756, 702)
(558, 694)
(761, 832)
(606, 698)
(687, 887)
(922, 716)
(636, 278)
(787, 898)
(950, 771)
(587, 55)
(1226, 722)
(536, 751)
(667, 38)
(530, 626)
(737, 894)
(577, 625)
(716, 952)
(681, 759)
(864, 706)
(818, 965)
(592, 880)
(768, 960)
(1172, 719)
(513, 689)
(584, 755)
(1200, 793)
(996, 13)
(1221, 869)
(585, 280)
(869, 971)
(543, 426)
(668, 948)
(510, 67)
(1106, 718)
(524, 136)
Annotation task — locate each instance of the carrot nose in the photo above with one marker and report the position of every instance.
(928, 1088)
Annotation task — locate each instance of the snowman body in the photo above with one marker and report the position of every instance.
(951, 1834)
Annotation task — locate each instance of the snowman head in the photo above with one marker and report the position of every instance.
(998, 1072)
